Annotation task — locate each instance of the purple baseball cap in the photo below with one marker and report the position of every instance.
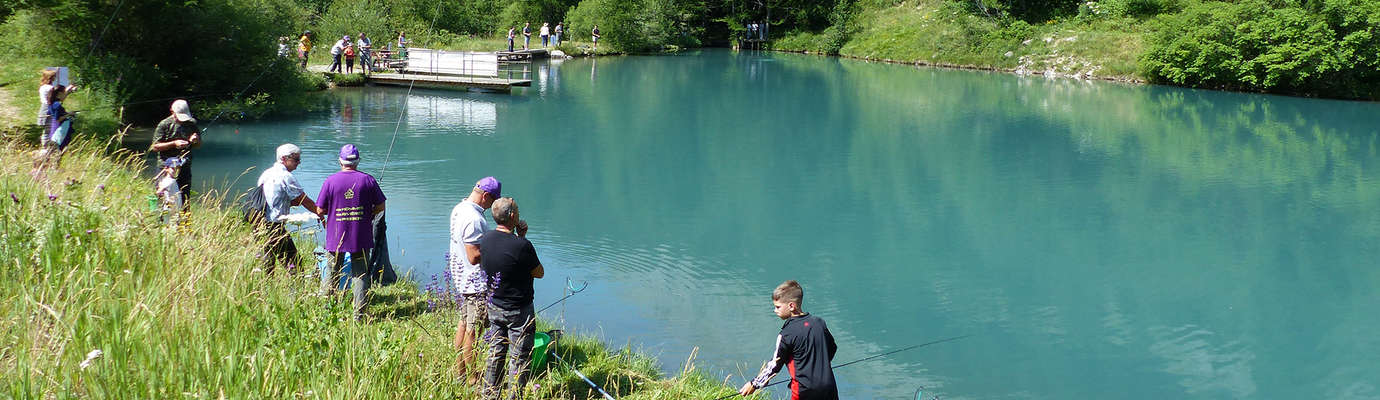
(491, 186)
(349, 153)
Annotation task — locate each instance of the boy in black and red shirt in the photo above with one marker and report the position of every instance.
(804, 345)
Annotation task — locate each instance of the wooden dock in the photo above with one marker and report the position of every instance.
(523, 55)
(447, 81)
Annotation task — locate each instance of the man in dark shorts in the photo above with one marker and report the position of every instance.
(176, 136)
(511, 261)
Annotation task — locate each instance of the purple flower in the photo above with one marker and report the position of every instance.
(89, 231)
(14, 197)
(52, 197)
(100, 187)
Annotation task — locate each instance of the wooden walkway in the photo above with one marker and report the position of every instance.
(523, 55)
(447, 81)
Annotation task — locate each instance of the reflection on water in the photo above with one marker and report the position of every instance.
(1099, 240)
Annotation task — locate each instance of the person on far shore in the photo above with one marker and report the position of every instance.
(281, 192)
(349, 200)
(467, 226)
(283, 47)
(556, 40)
(349, 53)
(545, 34)
(805, 344)
(304, 47)
(46, 88)
(526, 35)
(512, 34)
(366, 49)
(511, 262)
(176, 136)
(595, 33)
(336, 51)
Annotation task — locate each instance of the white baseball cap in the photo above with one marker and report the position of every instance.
(181, 110)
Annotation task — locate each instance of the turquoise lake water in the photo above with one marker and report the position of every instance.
(1098, 240)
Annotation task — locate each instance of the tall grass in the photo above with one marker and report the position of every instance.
(101, 300)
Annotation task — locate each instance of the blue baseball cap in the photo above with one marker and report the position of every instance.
(349, 153)
(491, 186)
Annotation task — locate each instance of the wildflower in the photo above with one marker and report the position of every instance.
(52, 197)
(14, 197)
(100, 187)
(92, 356)
(89, 231)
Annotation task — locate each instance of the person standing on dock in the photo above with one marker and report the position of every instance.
(595, 33)
(545, 34)
(350, 54)
(366, 49)
(526, 35)
(281, 192)
(559, 31)
(336, 49)
(176, 136)
(511, 263)
(467, 226)
(349, 200)
(512, 34)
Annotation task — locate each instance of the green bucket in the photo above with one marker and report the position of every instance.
(539, 344)
(153, 202)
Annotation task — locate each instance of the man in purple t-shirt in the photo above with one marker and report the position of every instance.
(349, 200)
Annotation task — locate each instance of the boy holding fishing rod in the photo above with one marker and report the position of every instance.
(804, 344)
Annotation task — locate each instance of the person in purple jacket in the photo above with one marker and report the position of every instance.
(349, 200)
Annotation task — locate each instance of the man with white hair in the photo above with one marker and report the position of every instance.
(281, 192)
(176, 136)
(349, 200)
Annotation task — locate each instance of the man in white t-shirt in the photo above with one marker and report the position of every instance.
(467, 225)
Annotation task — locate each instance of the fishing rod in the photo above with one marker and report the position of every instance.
(570, 285)
(550, 349)
(912, 347)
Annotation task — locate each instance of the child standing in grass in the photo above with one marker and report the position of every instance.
(804, 344)
(169, 195)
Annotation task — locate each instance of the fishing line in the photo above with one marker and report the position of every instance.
(864, 359)
(571, 285)
(435, 13)
(97, 42)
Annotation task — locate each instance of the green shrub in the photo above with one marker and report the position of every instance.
(210, 49)
(1037, 10)
(1260, 45)
(620, 23)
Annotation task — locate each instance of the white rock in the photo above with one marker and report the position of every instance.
(558, 53)
(1008, 54)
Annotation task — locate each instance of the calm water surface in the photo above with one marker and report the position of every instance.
(1099, 240)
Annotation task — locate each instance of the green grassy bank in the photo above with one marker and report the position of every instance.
(945, 33)
(1312, 48)
(187, 314)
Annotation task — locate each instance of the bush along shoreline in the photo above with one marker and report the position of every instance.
(104, 300)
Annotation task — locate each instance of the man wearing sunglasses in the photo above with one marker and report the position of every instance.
(281, 192)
